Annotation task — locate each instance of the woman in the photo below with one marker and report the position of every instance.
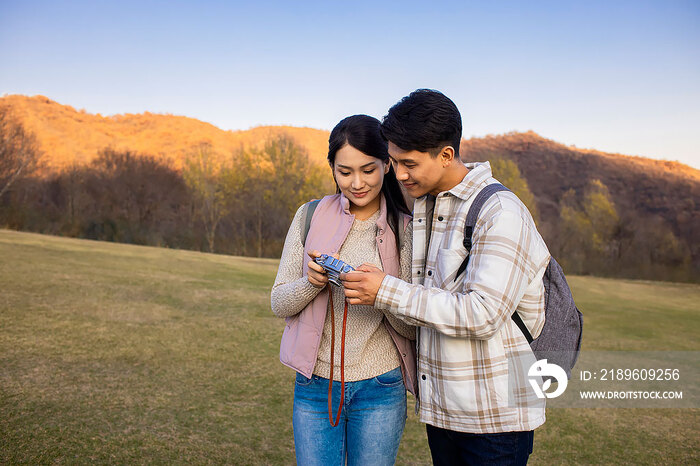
(366, 221)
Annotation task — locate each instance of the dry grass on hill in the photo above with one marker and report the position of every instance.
(68, 136)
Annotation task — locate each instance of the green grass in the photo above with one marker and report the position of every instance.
(113, 353)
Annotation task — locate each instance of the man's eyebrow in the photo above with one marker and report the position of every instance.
(350, 168)
(407, 160)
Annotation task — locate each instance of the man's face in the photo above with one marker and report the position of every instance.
(419, 172)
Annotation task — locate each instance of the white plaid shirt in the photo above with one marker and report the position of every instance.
(472, 358)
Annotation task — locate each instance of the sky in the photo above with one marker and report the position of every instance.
(615, 76)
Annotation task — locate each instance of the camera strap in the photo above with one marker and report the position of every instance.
(342, 364)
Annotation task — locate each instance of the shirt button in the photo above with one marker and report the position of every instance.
(440, 218)
(381, 240)
(422, 376)
(430, 273)
(420, 220)
(418, 272)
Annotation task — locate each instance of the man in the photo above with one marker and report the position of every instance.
(472, 358)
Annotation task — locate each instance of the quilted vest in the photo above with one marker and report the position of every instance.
(330, 226)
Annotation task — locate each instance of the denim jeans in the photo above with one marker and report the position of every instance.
(449, 447)
(370, 426)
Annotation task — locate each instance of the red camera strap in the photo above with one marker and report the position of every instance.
(342, 364)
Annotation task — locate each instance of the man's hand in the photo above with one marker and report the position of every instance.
(362, 285)
(317, 275)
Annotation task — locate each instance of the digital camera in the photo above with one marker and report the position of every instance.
(333, 267)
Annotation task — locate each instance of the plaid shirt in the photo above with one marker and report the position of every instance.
(472, 358)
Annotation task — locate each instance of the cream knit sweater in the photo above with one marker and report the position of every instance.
(369, 350)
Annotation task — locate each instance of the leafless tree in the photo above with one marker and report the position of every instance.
(19, 152)
(203, 174)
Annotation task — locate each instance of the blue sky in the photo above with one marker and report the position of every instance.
(613, 76)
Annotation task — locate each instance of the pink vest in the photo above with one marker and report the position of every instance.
(330, 226)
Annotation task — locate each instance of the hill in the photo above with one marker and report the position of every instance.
(654, 205)
(68, 136)
(639, 186)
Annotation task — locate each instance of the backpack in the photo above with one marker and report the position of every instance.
(307, 215)
(560, 339)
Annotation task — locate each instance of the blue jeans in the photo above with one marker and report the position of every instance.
(370, 426)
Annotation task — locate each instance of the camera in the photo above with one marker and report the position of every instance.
(333, 267)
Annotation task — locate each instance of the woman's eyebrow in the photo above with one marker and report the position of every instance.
(350, 168)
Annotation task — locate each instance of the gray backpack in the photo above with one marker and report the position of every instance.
(560, 339)
(307, 215)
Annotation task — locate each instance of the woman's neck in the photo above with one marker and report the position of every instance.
(366, 211)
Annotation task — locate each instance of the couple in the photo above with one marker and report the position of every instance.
(354, 347)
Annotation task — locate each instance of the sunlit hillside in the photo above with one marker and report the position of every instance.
(600, 213)
(522, 143)
(68, 136)
(649, 187)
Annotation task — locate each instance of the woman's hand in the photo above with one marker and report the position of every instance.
(317, 276)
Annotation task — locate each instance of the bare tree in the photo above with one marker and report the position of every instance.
(19, 152)
(272, 181)
(203, 175)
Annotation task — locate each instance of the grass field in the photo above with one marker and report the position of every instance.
(113, 353)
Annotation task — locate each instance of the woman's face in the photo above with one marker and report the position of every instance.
(359, 177)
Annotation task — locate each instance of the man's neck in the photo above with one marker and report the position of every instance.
(452, 177)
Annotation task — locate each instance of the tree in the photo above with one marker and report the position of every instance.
(205, 175)
(589, 230)
(602, 215)
(508, 173)
(296, 181)
(19, 152)
(265, 189)
(655, 251)
(575, 232)
(122, 196)
(250, 188)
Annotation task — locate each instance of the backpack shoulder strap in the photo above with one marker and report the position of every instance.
(307, 215)
(473, 215)
(521, 325)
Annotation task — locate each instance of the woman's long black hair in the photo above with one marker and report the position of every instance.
(362, 132)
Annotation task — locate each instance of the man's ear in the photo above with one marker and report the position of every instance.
(447, 155)
(387, 167)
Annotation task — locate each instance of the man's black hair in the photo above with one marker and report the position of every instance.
(425, 120)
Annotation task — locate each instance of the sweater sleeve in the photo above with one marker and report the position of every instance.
(292, 290)
(406, 257)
